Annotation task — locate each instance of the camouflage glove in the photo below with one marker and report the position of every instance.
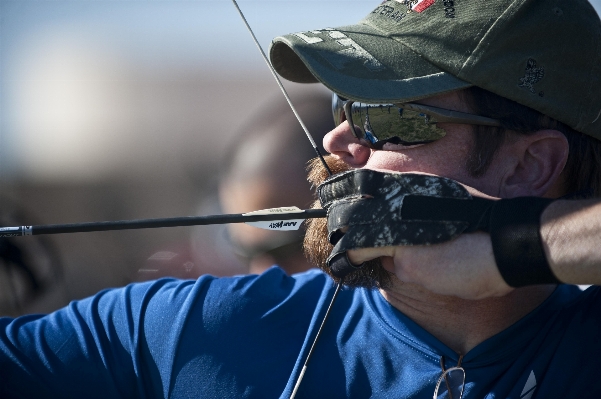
(367, 209)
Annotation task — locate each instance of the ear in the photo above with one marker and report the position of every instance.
(538, 160)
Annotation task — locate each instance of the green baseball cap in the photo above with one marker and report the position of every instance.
(545, 54)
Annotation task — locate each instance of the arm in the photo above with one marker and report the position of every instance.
(64, 354)
(465, 267)
(108, 345)
(571, 232)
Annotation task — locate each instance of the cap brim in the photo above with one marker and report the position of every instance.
(360, 63)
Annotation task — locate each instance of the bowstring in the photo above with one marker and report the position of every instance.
(327, 168)
(323, 322)
(279, 82)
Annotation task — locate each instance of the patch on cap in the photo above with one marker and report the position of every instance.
(421, 5)
(533, 75)
(417, 5)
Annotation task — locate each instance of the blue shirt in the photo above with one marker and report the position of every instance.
(248, 337)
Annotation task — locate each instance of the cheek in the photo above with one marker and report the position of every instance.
(387, 263)
(443, 158)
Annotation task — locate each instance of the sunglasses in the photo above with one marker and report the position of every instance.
(451, 383)
(406, 124)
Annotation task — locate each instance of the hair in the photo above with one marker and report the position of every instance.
(582, 172)
(316, 245)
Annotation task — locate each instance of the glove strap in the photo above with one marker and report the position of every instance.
(517, 243)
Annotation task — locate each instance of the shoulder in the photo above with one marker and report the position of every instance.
(269, 288)
(229, 323)
(165, 308)
(217, 300)
(259, 295)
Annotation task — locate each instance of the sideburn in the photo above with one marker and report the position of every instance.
(316, 246)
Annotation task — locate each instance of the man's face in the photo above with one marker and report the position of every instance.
(446, 157)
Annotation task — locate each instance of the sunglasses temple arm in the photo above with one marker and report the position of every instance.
(447, 115)
(277, 79)
(349, 117)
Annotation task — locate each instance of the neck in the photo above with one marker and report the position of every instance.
(459, 323)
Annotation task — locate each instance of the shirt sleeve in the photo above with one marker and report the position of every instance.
(167, 338)
(91, 348)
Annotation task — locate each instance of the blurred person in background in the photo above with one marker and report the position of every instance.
(263, 173)
(259, 172)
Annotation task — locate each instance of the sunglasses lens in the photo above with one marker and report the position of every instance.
(450, 384)
(388, 123)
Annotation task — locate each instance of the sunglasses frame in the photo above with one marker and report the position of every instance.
(443, 377)
(342, 108)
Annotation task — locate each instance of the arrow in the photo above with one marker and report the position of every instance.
(286, 216)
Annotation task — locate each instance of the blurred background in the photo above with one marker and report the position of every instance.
(116, 110)
(133, 109)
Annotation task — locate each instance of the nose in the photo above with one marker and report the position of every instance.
(342, 143)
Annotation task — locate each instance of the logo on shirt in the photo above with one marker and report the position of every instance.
(529, 388)
(397, 15)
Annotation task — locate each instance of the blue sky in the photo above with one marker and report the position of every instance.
(198, 33)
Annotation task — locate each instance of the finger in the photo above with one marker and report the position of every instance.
(358, 256)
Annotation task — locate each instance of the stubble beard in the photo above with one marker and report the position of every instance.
(316, 246)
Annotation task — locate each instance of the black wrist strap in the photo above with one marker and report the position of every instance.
(517, 243)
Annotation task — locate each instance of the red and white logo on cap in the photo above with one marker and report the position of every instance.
(421, 5)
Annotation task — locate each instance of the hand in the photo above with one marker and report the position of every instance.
(464, 267)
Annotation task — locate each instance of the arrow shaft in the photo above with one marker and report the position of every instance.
(155, 223)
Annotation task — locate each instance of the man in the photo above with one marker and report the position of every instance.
(443, 312)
